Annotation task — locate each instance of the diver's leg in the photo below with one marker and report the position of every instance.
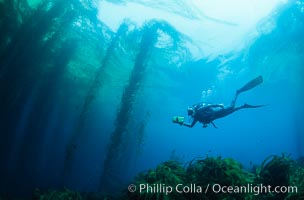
(251, 106)
(234, 100)
(213, 124)
(246, 106)
(231, 109)
(251, 84)
(248, 86)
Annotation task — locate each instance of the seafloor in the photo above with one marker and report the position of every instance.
(275, 170)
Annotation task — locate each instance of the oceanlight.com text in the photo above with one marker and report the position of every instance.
(254, 189)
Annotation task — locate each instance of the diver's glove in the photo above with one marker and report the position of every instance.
(178, 120)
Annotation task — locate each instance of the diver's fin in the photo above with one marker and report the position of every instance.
(251, 84)
(251, 106)
(213, 124)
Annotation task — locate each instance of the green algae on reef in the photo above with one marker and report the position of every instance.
(191, 181)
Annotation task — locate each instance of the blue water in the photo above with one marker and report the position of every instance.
(61, 129)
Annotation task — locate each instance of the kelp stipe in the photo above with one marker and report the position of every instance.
(30, 147)
(148, 40)
(116, 152)
(95, 86)
(22, 70)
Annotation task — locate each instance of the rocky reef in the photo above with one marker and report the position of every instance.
(278, 177)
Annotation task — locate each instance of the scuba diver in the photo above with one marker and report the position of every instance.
(207, 113)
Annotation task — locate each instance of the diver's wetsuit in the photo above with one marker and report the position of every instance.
(206, 114)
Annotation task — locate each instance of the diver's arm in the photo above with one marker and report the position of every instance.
(190, 125)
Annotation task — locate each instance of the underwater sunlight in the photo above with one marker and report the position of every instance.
(142, 99)
(216, 27)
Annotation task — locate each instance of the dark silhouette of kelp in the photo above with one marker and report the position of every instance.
(140, 136)
(115, 152)
(8, 24)
(148, 40)
(22, 61)
(30, 147)
(76, 138)
(32, 65)
(275, 171)
(21, 71)
(35, 49)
